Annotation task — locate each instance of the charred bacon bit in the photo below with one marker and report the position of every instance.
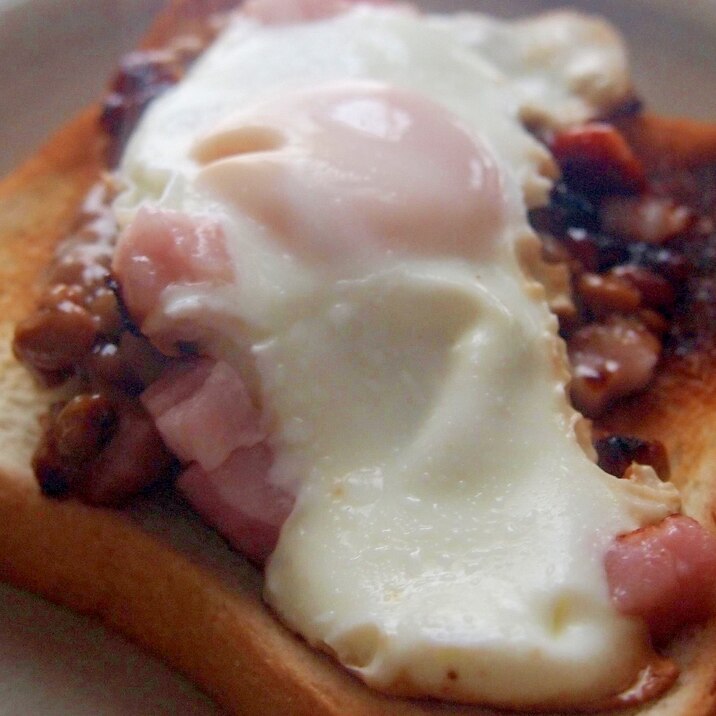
(616, 453)
(596, 160)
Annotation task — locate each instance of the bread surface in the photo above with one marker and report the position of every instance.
(160, 577)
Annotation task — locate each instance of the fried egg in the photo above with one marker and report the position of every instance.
(371, 174)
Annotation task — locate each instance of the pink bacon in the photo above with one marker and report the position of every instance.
(239, 501)
(283, 12)
(160, 248)
(203, 411)
(664, 573)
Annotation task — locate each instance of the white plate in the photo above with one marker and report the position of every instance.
(55, 56)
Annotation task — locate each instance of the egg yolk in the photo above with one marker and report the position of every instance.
(360, 166)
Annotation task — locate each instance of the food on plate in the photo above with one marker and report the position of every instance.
(312, 295)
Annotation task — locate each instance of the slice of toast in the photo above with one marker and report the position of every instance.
(157, 575)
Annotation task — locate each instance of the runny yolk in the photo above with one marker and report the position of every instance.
(347, 168)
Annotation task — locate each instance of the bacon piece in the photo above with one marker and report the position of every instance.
(615, 453)
(596, 159)
(160, 248)
(284, 12)
(203, 411)
(239, 501)
(205, 415)
(664, 573)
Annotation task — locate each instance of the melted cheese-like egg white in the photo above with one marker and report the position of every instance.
(449, 532)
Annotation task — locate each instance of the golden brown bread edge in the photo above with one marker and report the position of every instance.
(207, 621)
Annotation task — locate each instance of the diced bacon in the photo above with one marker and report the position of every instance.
(239, 501)
(203, 411)
(175, 385)
(160, 248)
(665, 573)
(283, 12)
(596, 159)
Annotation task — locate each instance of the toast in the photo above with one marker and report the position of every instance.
(158, 576)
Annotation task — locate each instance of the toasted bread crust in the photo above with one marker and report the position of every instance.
(207, 621)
